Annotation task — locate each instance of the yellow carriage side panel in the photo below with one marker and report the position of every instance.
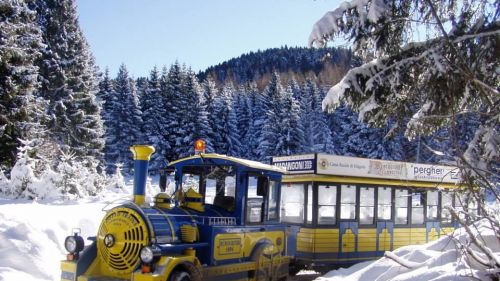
(228, 246)
(401, 237)
(348, 241)
(367, 239)
(418, 236)
(326, 240)
(446, 230)
(305, 240)
(433, 234)
(384, 240)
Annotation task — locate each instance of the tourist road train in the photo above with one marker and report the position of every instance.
(228, 218)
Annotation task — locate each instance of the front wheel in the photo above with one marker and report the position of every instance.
(180, 275)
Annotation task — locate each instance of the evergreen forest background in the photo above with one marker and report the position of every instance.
(63, 119)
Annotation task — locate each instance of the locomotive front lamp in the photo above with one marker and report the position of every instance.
(74, 245)
(148, 254)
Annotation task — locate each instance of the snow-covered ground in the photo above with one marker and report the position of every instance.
(440, 260)
(32, 235)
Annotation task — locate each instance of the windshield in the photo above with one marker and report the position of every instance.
(216, 183)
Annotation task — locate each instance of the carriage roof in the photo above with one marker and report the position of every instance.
(219, 159)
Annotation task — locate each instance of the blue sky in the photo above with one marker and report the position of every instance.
(200, 33)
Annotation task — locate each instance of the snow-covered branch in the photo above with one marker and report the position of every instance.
(357, 13)
(403, 262)
(494, 260)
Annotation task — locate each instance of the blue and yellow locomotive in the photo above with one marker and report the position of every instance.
(221, 223)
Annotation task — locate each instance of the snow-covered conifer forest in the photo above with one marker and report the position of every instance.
(63, 119)
(66, 126)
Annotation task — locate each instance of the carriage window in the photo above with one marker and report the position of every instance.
(472, 205)
(446, 200)
(366, 205)
(309, 204)
(417, 208)
(210, 190)
(190, 181)
(464, 202)
(254, 201)
(220, 187)
(292, 203)
(272, 205)
(401, 206)
(384, 207)
(327, 203)
(432, 205)
(348, 202)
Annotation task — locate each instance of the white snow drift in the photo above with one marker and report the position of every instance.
(439, 260)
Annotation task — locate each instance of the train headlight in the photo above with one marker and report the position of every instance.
(74, 244)
(148, 254)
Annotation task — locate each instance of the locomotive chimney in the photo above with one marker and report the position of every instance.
(142, 155)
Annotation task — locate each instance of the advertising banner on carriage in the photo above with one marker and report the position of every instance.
(296, 164)
(373, 168)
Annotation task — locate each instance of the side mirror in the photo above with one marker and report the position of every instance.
(262, 186)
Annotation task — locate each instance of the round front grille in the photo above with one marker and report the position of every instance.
(128, 232)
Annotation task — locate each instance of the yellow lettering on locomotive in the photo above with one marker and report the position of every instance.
(229, 246)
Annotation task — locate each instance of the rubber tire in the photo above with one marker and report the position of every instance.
(180, 275)
(294, 269)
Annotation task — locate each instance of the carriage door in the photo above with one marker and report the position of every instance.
(262, 200)
(432, 227)
(262, 210)
(385, 226)
(348, 223)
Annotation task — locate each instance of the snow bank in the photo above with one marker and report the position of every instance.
(32, 233)
(438, 260)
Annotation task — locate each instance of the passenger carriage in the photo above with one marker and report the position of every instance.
(343, 210)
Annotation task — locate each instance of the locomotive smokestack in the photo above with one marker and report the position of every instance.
(142, 155)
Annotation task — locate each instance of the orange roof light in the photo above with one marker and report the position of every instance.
(199, 146)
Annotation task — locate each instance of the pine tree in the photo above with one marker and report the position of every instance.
(68, 78)
(107, 96)
(243, 113)
(210, 91)
(322, 136)
(227, 138)
(271, 139)
(20, 111)
(317, 133)
(127, 111)
(199, 115)
(255, 102)
(421, 84)
(189, 106)
(154, 114)
(292, 129)
(175, 130)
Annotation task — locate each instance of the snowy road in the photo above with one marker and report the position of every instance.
(305, 275)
